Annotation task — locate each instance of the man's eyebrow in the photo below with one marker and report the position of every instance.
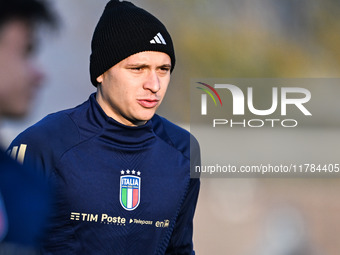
(137, 65)
(142, 65)
(165, 66)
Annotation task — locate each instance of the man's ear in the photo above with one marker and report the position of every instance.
(100, 79)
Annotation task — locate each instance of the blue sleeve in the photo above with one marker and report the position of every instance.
(26, 201)
(181, 239)
(181, 242)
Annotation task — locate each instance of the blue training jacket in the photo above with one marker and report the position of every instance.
(119, 189)
(24, 207)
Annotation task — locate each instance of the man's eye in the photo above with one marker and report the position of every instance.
(136, 68)
(165, 69)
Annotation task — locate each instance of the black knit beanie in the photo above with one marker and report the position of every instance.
(123, 30)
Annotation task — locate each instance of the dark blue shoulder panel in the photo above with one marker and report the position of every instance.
(46, 141)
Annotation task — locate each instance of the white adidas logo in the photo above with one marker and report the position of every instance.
(158, 39)
(16, 154)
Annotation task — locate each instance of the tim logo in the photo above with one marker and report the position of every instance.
(239, 99)
(130, 187)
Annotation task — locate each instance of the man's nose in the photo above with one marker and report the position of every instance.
(152, 82)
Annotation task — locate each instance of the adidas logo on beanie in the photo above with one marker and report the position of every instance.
(123, 30)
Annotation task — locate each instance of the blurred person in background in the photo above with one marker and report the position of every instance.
(24, 197)
(121, 172)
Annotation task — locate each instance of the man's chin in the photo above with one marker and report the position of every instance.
(143, 119)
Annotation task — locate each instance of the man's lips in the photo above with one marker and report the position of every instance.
(148, 103)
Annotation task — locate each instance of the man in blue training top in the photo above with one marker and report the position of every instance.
(121, 172)
(24, 198)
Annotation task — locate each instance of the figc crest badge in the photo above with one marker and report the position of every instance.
(130, 186)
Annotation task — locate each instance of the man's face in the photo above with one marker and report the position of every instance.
(132, 90)
(19, 79)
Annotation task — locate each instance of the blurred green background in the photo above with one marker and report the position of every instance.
(248, 39)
